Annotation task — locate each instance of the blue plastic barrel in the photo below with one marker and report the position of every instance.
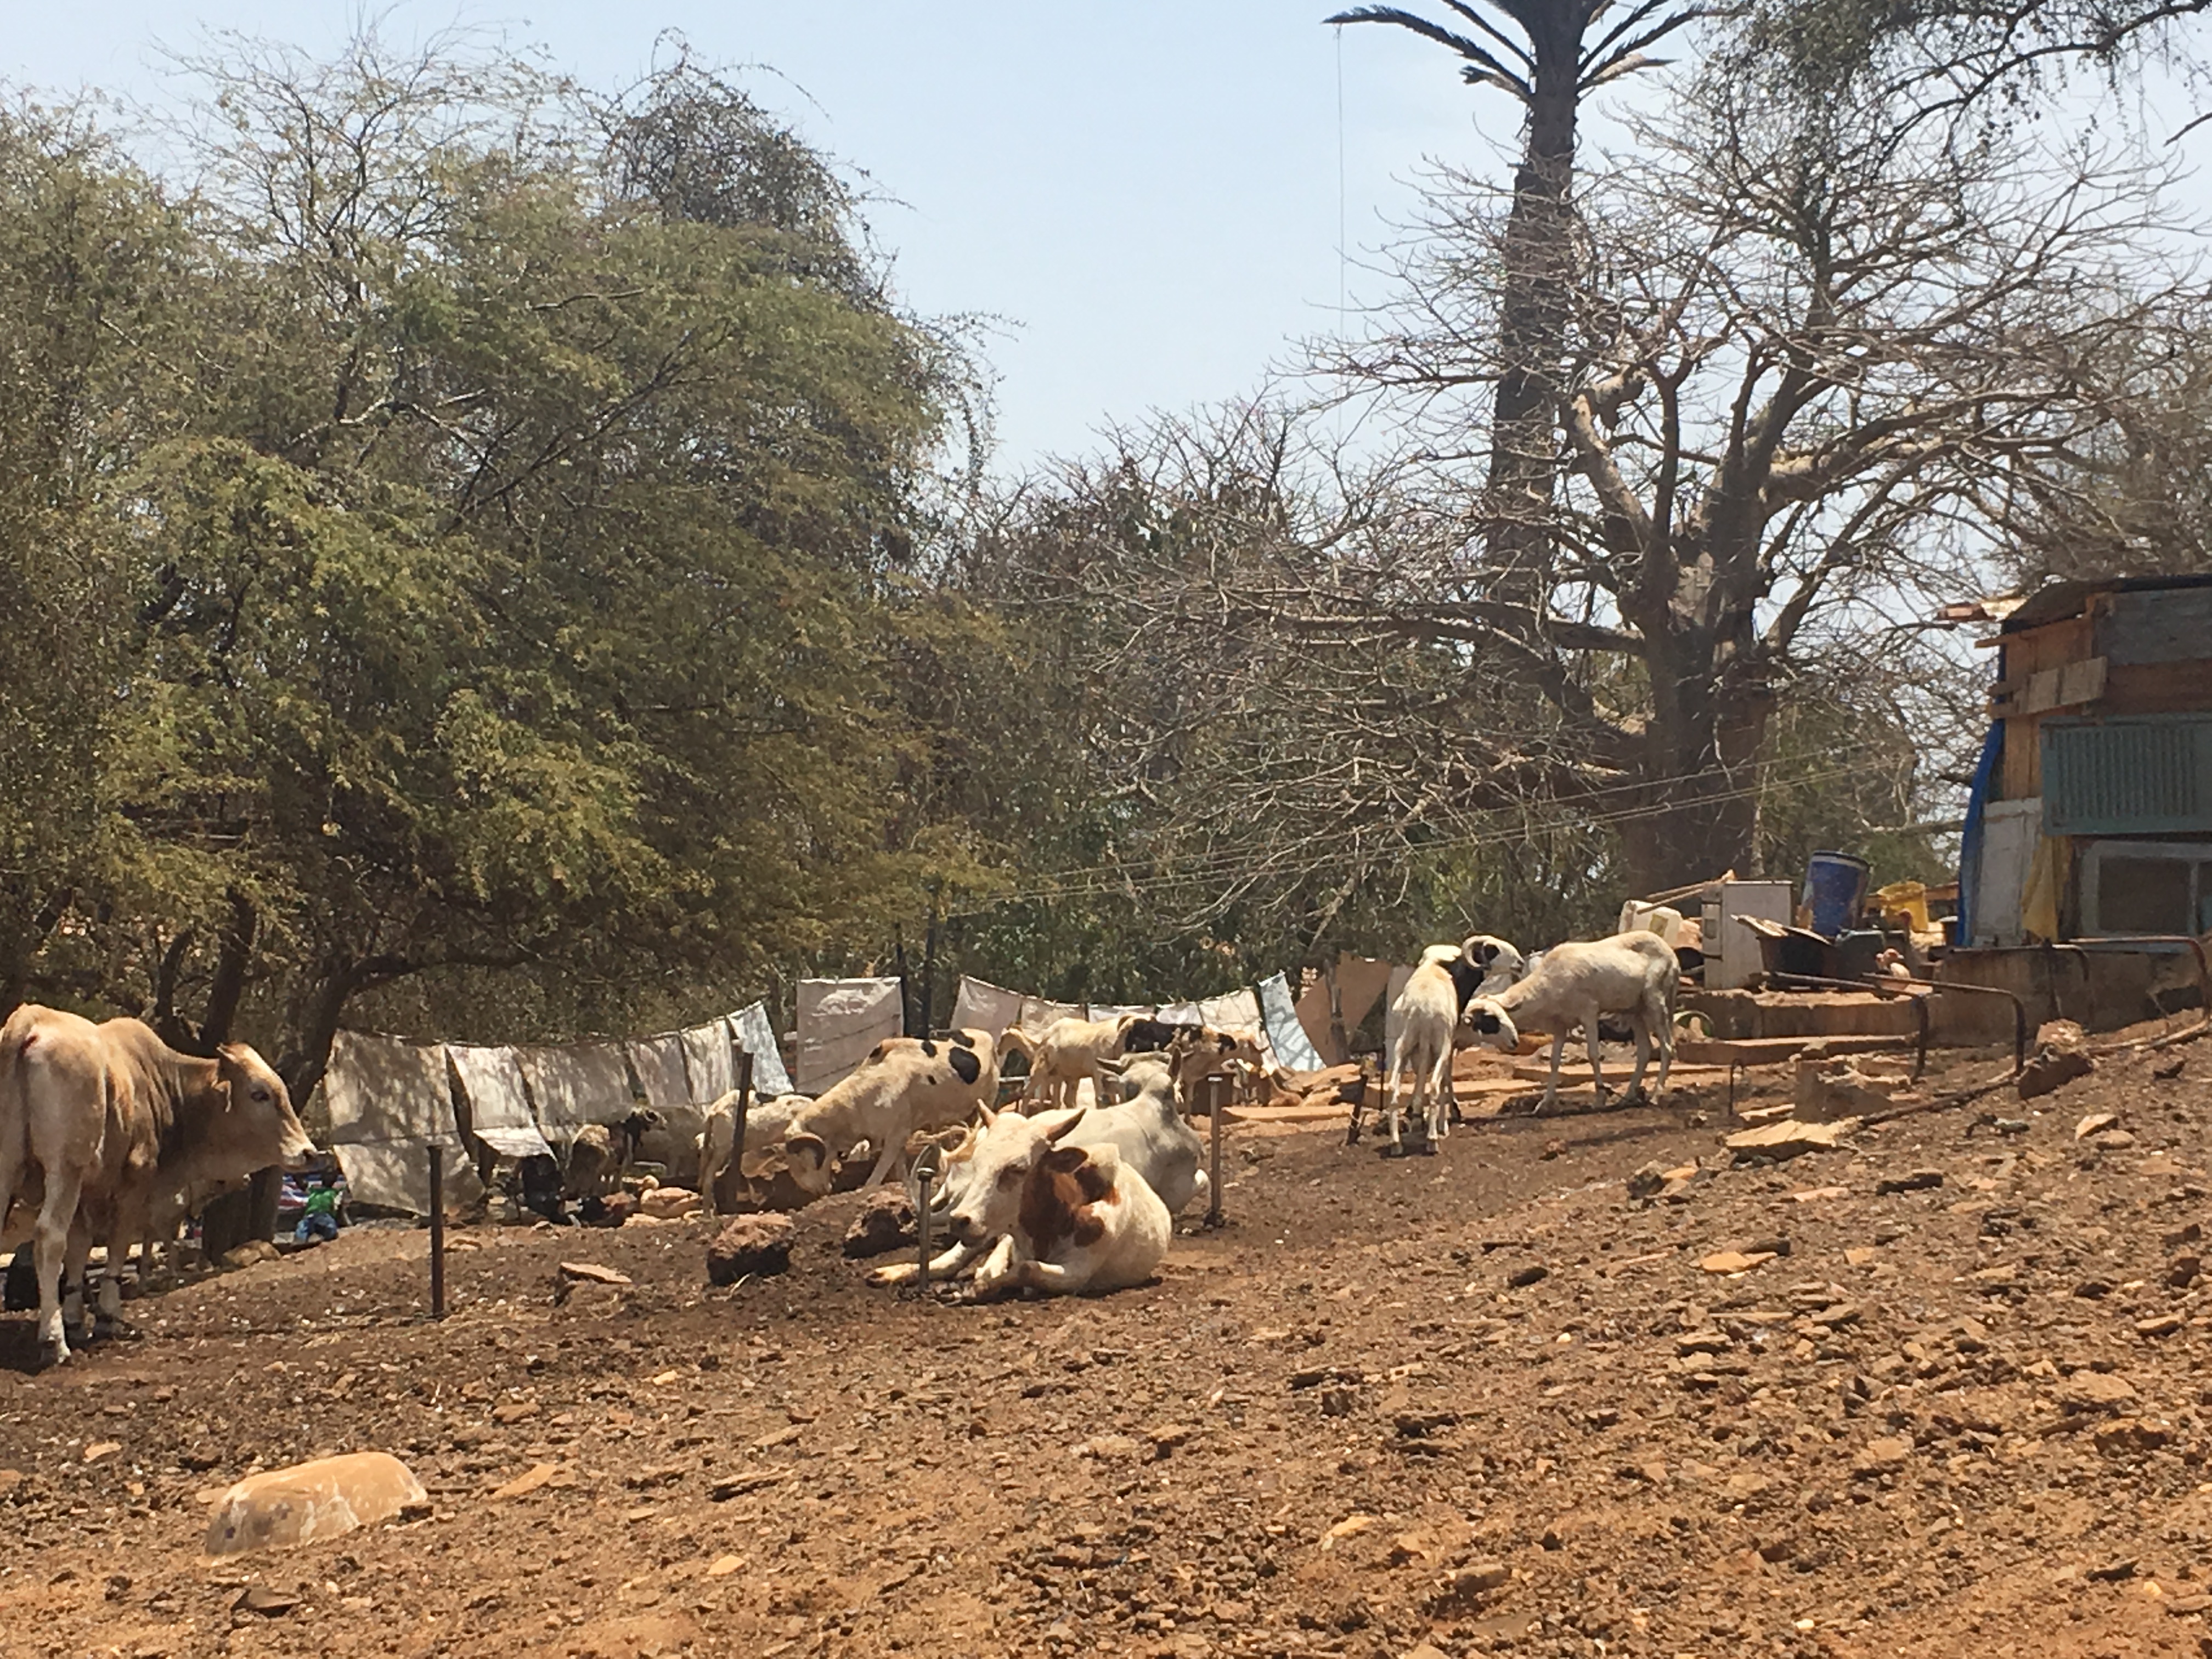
(1835, 888)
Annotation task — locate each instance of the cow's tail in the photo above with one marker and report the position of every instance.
(17, 1037)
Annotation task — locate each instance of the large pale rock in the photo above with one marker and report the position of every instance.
(669, 1203)
(311, 1502)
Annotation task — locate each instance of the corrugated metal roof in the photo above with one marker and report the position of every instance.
(2069, 598)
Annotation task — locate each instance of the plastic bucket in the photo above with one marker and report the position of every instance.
(1905, 898)
(1835, 888)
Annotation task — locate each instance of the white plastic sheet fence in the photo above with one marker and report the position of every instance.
(498, 1101)
(840, 1020)
(389, 1100)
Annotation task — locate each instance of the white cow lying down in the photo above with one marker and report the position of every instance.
(1086, 1222)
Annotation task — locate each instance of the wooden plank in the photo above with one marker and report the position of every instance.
(1572, 1064)
(1774, 1051)
(2159, 688)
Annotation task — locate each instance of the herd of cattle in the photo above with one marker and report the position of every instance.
(108, 1138)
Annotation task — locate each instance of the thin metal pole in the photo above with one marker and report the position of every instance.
(923, 1184)
(1218, 1111)
(437, 1232)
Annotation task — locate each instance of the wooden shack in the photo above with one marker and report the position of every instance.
(2096, 821)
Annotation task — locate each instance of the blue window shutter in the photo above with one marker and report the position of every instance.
(2146, 775)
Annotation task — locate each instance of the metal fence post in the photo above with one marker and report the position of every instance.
(1217, 1110)
(437, 1232)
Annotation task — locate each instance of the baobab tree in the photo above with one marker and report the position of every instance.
(1557, 53)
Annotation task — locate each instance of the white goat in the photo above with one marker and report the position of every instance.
(1635, 974)
(1426, 1013)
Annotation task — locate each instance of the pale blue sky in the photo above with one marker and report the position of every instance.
(1147, 188)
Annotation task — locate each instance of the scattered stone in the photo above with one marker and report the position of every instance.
(885, 1222)
(1647, 1182)
(723, 1566)
(1816, 1195)
(592, 1273)
(2182, 1606)
(737, 1486)
(1919, 1181)
(1788, 1139)
(100, 1448)
(1481, 1577)
(1828, 1091)
(1169, 1436)
(2163, 1325)
(750, 1246)
(2132, 1434)
(268, 1603)
(2086, 1392)
(1338, 1402)
(670, 1203)
(1735, 1262)
(1883, 1456)
(2182, 1272)
(612, 1211)
(2191, 1234)
(2094, 1290)
(253, 1250)
(2108, 1572)
(2171, 1070)
(537, 1478)
(2113, 1140)
(1520, 1278)
(311, 1502)
(1111, 1448)
(2050, 1069)
(514, 1411)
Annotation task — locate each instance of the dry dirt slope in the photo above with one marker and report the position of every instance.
(1958, 1419)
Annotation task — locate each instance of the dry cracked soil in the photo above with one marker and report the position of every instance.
(1485, 1402)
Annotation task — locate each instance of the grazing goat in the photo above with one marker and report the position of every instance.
(1631, 974)
(1426, 1012)
(601, 1151)
(1066, 1053)
(767, 1122)
(907, 1084)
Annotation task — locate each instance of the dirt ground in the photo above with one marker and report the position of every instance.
(1485, 1402)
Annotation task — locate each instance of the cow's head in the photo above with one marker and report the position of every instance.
(809, 1161)
(1491, 1020)
(997, 1166)
(256, 1125)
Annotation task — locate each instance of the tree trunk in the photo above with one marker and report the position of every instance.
(1701, 754)
(1532, 327)
(234, 955)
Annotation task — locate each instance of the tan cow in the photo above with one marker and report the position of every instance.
(107, 1124)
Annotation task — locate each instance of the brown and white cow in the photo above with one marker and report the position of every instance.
(1087, 1223)
(107, 1124)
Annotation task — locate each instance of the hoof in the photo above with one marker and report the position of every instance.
(1426, 1149)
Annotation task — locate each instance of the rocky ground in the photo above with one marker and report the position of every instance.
(1936, 1391)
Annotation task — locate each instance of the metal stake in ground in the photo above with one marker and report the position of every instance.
(725, 1195)
(1217, 1089)
(437, 1232)
(926, 1168)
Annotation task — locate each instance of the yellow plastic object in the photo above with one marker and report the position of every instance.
(1909, 898)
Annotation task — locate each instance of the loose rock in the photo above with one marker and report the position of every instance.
(754, 1246)
(310, 1501)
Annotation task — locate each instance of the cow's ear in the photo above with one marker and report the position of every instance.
(1065, 1160)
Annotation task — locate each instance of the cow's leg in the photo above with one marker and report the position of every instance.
(1663, 1022)
(1643, 1056)
(1597, 1062)
(1552, 1086)
(51, 1241)
(941, 1266)
(1000, 1272)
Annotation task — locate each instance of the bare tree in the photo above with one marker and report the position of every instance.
(1820, 368)
(1547, 55)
